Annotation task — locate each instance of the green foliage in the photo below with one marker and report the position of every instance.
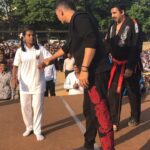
(37, 12)
(41, 12)
(141, 11)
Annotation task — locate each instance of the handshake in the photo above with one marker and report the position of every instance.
(45, 63)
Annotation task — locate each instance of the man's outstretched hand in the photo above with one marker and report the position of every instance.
(45, 63)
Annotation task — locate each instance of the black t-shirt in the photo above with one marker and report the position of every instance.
(83, 33)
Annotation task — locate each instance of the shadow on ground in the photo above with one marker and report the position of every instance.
(49, 128)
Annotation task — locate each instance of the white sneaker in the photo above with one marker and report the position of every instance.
(39, 137)
(115, 128)
(27, 133)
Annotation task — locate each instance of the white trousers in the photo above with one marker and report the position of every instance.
(32, 108)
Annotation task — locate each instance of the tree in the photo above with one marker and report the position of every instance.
(141, 11)
(6, 9)
(39, 13)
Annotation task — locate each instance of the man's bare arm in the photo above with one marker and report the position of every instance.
(59, 53)
(88, 57)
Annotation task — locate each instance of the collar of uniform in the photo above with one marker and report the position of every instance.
(27, 48)
(122, 26)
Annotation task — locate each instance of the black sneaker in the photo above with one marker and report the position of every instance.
(85, 148)
(88, 146)
(133, 122)
(115, 128)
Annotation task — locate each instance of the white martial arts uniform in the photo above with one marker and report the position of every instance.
(31, 86)
(71, 79)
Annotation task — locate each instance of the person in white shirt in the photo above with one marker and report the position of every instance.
(5, 77)
(72, 82)
(50, 77)
(68, 64)
(1, 55)
(31, 81)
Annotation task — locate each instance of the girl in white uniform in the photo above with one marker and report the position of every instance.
(31, 82)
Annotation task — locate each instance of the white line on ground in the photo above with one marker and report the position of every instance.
(76, 119)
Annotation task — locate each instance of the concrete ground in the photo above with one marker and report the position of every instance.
(63, 125)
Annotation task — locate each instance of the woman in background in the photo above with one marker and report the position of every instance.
(5, 77)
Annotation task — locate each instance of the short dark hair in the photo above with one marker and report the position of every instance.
(121, 7)
(66, 3)
(28, 28)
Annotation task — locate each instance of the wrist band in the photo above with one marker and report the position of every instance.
(84, 70)
(85, 66)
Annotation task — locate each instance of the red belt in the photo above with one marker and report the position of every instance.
(112, 73)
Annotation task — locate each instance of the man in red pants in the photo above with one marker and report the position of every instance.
(86, 46)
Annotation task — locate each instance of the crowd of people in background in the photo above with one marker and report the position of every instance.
(52, 48)
(146, 60)
(7, 53)
(145, 57)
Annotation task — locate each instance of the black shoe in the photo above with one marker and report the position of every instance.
(132, 122)
(85, 148)
(88, 146)
(115, 128)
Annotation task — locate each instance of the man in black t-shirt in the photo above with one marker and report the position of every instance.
(86, 46)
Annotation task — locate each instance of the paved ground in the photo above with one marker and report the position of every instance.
(63, 125)
(59, 84)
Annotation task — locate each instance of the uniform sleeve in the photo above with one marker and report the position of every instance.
(17, 59)
(45, 53)
(86, 30)
(134, 53)
(55, 74)
(107, 40)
